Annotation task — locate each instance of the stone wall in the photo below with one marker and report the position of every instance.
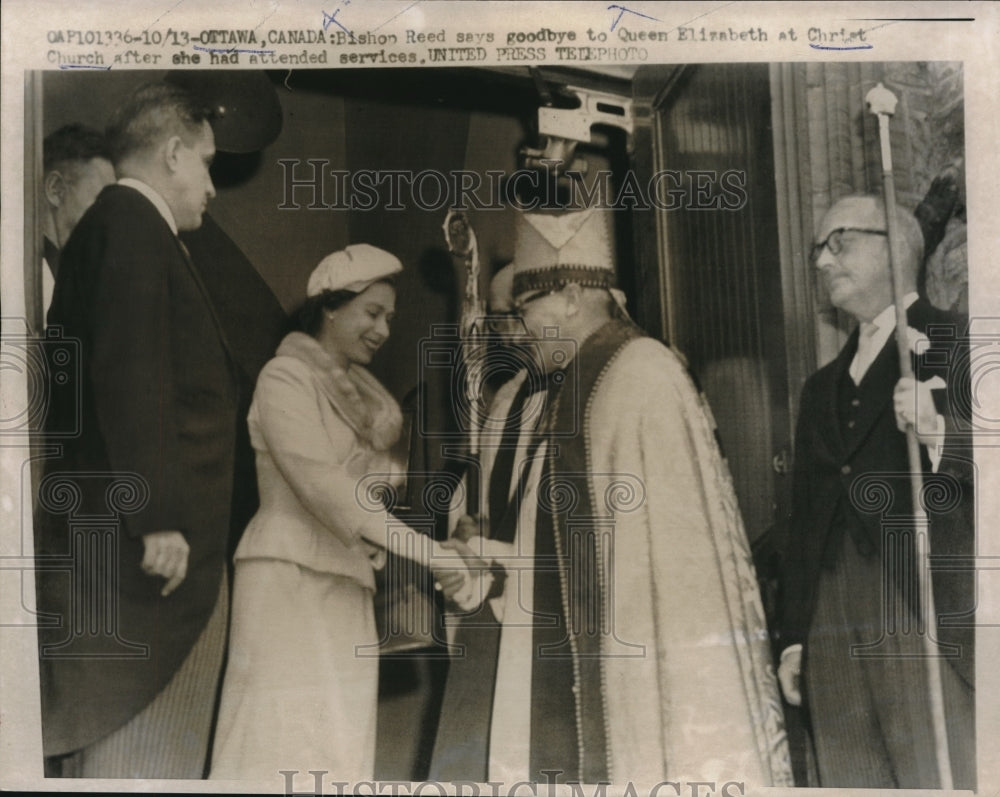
(927, 137)
(837, 152)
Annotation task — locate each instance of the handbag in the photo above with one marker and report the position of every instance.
(405, 607)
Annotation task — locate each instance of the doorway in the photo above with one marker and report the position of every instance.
(715, 237)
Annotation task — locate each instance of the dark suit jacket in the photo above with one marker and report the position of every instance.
(157, 409)
(253, 323)
(827, 469)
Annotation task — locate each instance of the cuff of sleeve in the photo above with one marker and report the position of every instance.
(491, 549)
(475, 591)
(498, 577)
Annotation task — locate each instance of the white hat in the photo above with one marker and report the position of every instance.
(352, 269)
(553, 249)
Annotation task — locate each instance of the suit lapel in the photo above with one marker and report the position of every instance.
(879, 382)
(185, 256)
(196, 276)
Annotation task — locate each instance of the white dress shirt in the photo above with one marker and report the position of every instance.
(158, 201)
(873, 336)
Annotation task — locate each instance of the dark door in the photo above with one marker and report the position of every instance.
(709, 265)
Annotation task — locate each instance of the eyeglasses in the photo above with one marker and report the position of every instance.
(522, 303)
(504, 323)
(835, 241)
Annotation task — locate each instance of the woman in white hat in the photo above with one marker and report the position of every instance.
(301, 684)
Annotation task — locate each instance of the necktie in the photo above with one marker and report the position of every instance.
(866, 352)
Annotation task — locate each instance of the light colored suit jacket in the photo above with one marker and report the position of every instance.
(320, 435)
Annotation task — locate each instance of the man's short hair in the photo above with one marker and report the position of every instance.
(872, 208)
(73, 143)
(154, 111)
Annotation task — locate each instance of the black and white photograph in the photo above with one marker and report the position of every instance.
(499, 398)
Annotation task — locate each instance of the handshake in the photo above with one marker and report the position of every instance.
(467, 582)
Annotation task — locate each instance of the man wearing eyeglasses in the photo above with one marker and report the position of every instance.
(632, 644)
(853, 651)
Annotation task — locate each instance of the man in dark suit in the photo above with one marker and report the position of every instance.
(852, 643)
(134, 514)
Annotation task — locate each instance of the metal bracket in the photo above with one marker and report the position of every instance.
(595, 108)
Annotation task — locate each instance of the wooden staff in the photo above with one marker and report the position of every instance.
(882, 103)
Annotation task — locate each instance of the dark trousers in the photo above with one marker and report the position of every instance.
(871, 717)
(170, 737)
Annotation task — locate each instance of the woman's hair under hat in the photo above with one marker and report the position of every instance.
(340, 277)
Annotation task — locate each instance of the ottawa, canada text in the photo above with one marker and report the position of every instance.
(312, 185)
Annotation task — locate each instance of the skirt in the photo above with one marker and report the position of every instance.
(300, 691)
